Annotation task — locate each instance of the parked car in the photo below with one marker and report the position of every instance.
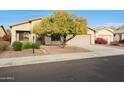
(101, 41)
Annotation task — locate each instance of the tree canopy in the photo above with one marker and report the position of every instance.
(62, 23)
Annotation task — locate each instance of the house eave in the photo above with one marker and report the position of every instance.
(91, 29)
(29, 21)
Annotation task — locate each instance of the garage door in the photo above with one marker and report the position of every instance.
(80, 40)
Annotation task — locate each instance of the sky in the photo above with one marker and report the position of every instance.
(95, 18)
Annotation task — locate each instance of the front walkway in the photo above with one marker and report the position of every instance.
(98, 51)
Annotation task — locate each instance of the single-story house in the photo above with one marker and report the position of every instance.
(23, 31)
(105, 33)
(2, 31)
(119, 34)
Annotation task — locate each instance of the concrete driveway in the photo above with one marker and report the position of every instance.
(100, 50)
(97, 51)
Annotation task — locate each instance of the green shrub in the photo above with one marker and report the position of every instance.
(36, 45)
(4, 45)
(27, 45)
(17, 46)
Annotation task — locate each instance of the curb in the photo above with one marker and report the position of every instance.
(7, 62)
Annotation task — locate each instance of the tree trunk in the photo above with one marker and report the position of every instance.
(66, 40)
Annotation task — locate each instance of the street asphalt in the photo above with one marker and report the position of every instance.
(102, 69)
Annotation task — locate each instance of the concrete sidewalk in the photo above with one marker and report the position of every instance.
(98, 51)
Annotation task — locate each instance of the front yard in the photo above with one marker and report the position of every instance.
(45, 50)
(59, 50)
(23, 53)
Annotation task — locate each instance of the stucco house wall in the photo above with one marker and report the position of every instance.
(25, 26)
(80, 40)
(91, 32)
(117, 37)
(119, 34)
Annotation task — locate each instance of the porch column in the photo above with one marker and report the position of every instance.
(120, 36)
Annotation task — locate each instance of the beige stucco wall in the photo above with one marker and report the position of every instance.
(80, 40)
(117, 37)
(92, 34)
(23, 27)
(103, 33)
(35, 22)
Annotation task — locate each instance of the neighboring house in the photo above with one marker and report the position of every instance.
(105, 33)
(2, 32)
(119, 34)
(23, 31)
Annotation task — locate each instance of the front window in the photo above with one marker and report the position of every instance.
(23, 36)
(55, 37)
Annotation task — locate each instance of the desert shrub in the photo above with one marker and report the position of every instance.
(27, 45)
(4, 45)
(101, 41)
(17, 45)
(36, 45)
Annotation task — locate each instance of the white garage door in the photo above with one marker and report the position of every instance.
(80, 40)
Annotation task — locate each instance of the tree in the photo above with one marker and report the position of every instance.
(61, 23)
(8, 36)
(8, 32)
